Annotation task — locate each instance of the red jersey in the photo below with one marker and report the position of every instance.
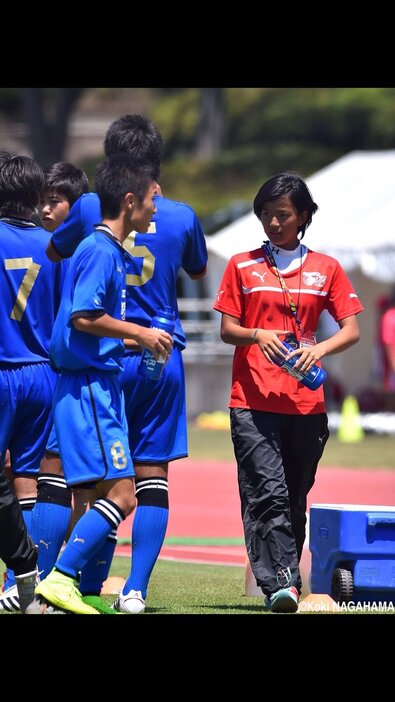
(251, 292)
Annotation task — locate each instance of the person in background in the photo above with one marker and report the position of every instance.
(156, 411)
(387, 342)
(279, 427)
(87, 349)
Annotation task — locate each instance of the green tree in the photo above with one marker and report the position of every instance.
(48, 112)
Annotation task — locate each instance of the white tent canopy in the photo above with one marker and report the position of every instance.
(356, 199)
(355, 224)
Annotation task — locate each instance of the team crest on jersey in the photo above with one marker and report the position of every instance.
(314, 278)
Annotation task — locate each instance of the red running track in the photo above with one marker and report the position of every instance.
(204, 503)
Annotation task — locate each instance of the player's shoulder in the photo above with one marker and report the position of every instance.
(247, 256)
(322, 259)
(87, 200)
(181, 209)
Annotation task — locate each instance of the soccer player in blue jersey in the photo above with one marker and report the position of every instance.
(65, 183)
(155, 411)
(87, 350)
(30, 288)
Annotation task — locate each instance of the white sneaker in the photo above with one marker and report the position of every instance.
(9, 599)
(132, 603)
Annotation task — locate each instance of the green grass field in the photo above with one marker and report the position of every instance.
(187, 588)
(373, 451)
(183, 588)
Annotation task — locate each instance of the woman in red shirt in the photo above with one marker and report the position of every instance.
(279, 427)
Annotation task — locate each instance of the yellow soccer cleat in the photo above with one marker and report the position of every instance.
(60, 591)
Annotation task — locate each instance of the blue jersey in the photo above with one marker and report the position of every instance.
(174, 240)
(95, 283)
(30, 290)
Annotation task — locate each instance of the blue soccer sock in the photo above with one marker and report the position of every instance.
(96, 571)
(27, 506)
(88, 536)
(148, 531)
(50, 519)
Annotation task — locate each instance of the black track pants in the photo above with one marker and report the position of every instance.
(277, 457)
(16, 547)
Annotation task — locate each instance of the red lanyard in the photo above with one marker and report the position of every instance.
(294, 310)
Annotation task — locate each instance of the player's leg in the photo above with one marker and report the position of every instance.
(32, 387)
(51, 514)
(304, 441)
(156, 416)
(16, 548)
(96, 570)
(104, 458)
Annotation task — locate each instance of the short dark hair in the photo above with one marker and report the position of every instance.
(287, 184)
(67, 179)
(21, 184)
(117, 176)
(137, 136)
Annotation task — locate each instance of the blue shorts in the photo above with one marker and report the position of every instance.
(25, 414)
(91, 428)
(156, 411)
(52, 443)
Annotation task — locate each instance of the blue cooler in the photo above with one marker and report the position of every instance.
(353, 552)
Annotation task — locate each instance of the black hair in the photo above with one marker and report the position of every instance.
(21, 184)
(67, 179)
(288, 184)
(138, 136)
(118, 175)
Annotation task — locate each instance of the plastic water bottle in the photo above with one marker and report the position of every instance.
(312, 379)
(151, 367)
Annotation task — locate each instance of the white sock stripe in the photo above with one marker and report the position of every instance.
(151, 483)
(55, 478)
(152, 487)
(152, 480)
(52, 482)
(109, 515)
(27, 501)
(111, 511)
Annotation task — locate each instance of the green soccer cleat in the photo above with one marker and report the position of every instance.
(98, 604)
(60, 591)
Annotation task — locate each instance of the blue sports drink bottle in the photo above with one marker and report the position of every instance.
(312, 379)
(151, 367)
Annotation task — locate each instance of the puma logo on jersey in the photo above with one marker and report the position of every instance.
(314, 278)
(261, 276)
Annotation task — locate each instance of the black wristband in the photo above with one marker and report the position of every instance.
(254, 335)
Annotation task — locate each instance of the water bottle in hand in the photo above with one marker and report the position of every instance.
(151, 367)
(312, 379)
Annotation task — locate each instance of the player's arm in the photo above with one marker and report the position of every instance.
(233, 333)
(52, 253)
(197, 276)
(156, 340)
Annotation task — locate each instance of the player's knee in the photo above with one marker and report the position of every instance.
(129, 505)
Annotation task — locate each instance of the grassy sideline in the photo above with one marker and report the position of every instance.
(373, 451)
(187, 588)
